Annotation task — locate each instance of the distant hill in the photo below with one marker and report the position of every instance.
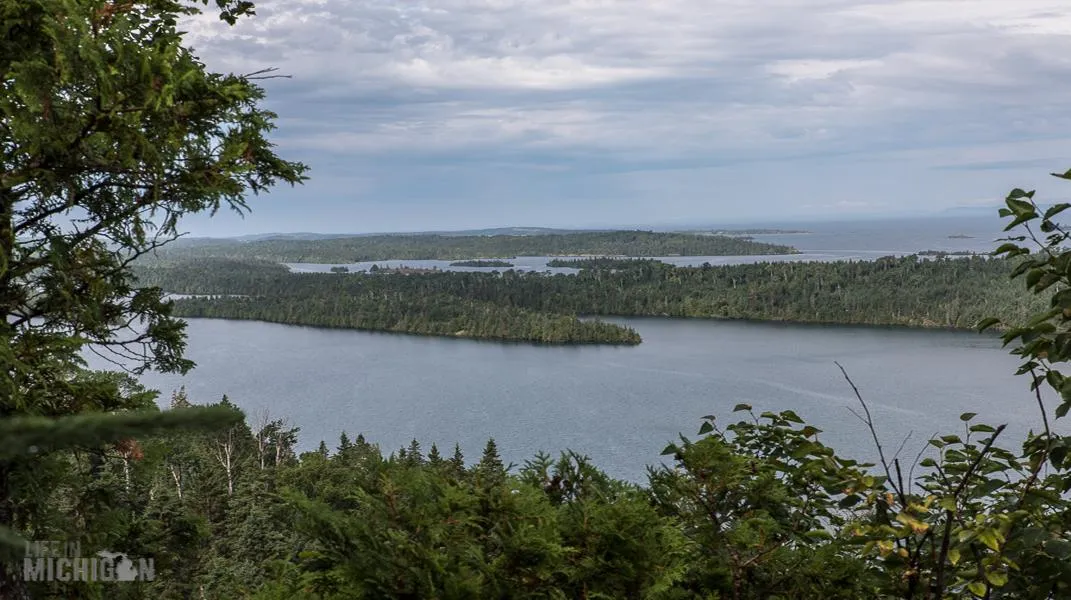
(356, 249)
(310, 236)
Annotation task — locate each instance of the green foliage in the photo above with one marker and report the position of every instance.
(110, 131)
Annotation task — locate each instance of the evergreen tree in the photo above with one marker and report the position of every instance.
(110, 131)
(344, 443)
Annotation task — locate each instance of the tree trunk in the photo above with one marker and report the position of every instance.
(176, 474)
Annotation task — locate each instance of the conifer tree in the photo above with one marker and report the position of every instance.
(111, 130)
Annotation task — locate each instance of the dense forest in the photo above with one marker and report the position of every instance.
(756, 509)
(909, 291)
(419, 247)
(601, 262)
(382, 300)
(481, 263)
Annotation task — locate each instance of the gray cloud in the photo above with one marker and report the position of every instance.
(605, 86)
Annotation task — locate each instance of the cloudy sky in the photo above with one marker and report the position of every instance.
(444, 114)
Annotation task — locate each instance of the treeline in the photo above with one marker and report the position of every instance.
(417, 247)
(601, 262)
(909, 291)
(481, 263)
(756, 510)
(438, 314)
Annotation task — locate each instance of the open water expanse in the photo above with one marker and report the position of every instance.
(622, 405)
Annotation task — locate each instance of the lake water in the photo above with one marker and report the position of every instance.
(622, 405)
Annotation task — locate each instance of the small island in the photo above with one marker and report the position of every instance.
(402, 270)
(339, 269)
(960, 236)
(604, 263)
(481, 263)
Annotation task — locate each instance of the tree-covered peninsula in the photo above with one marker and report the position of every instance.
(444, 247)
(909, 291)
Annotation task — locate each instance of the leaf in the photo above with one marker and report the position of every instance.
(989, 538)
(987, 323)
(1005, 248)
(997, 578)
(982, 428)
(953, 556)
(706, 427)
(670, 449)
(977, 588)
(741, 407)
(1058, 548)
(791, 417)
(967, 416)
(1056, 209)
(1061, 411)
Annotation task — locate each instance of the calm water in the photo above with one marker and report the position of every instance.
(618, 405)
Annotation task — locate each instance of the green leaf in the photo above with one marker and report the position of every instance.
(967, 416)
(706, 427)
(741, 407)
(1061, 411)
(982, 428)
(791, 417)
(1005, 248)
(990, 539)
(977, 588)
(987, 323)
(997, 578)
(1058, 548)
(1056, 209)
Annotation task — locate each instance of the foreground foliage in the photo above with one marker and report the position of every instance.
(111, 130)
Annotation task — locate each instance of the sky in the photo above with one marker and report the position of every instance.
(455, 114)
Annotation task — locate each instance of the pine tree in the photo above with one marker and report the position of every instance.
(344, 443)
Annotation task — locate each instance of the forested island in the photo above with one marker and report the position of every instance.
(481, 263)
(932, 292)
(442, 247)
(602, 263)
